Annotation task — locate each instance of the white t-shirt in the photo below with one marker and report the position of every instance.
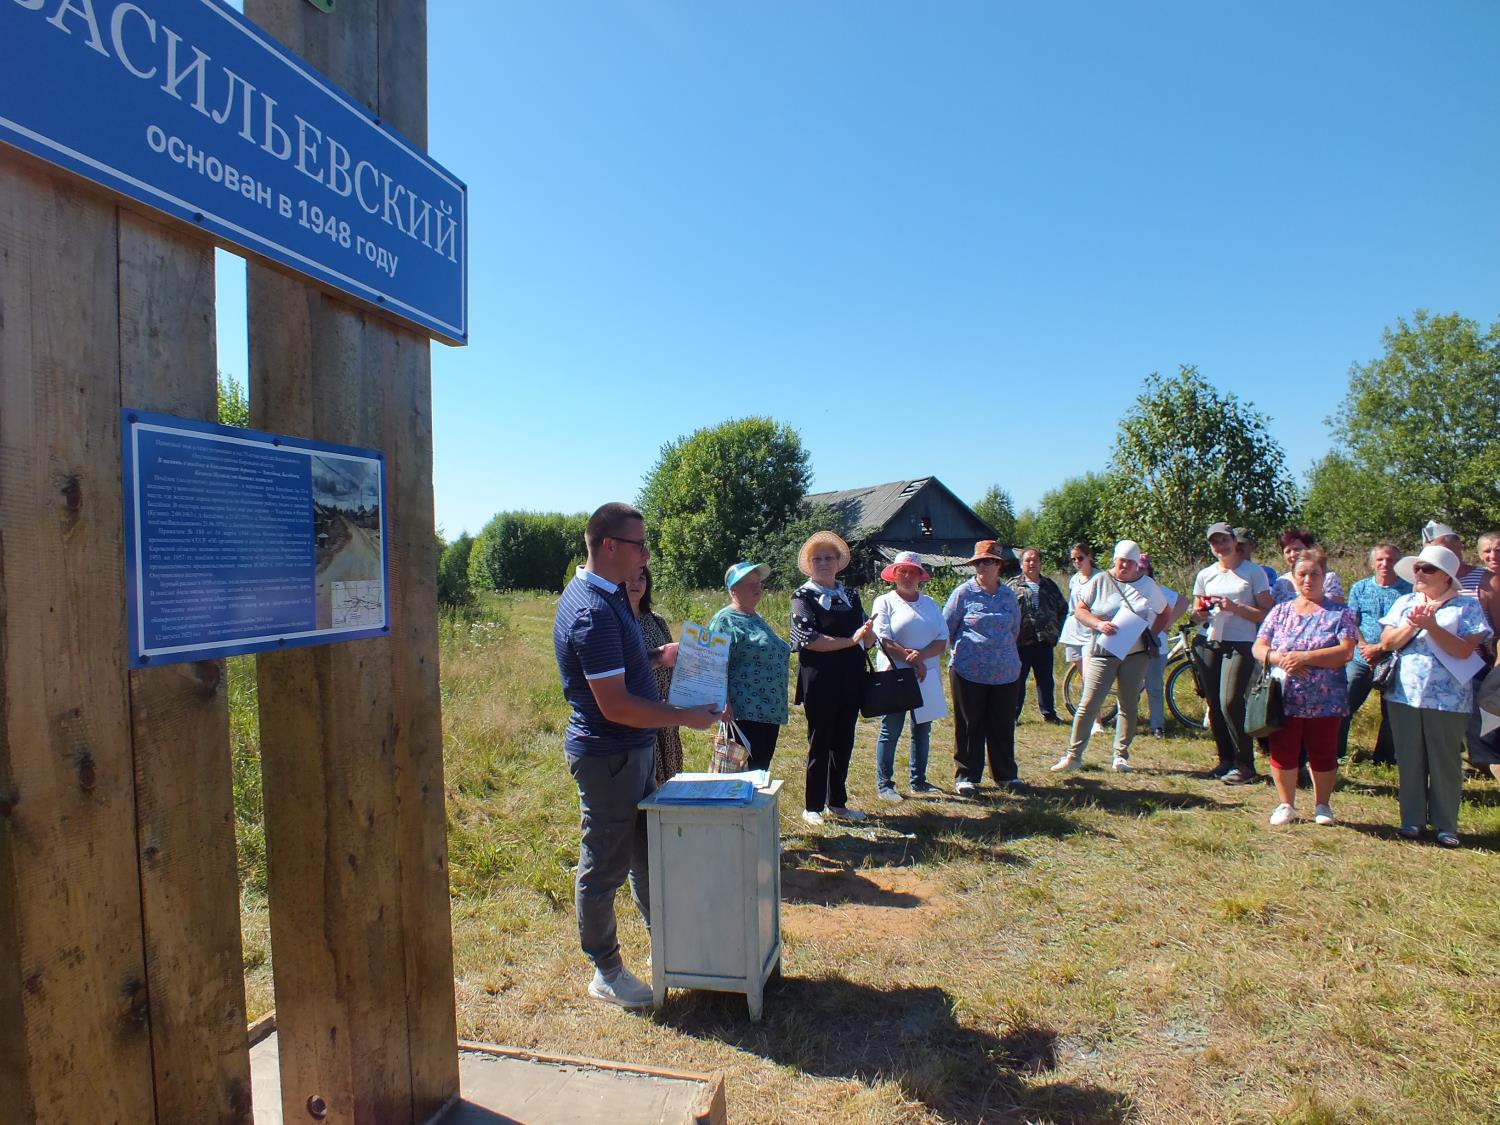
(1104, 594)
(1175, 600)
(1242, 585)
(914, 625)
(1072, 632)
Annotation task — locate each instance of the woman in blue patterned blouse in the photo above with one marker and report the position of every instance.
(984, 672)
(759, 662)
(1435, 632)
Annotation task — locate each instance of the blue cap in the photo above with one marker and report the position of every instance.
(740, 569)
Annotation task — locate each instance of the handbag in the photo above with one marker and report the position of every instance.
(1383, 674)
(731, 752)
(890, 692)
(1264, 709)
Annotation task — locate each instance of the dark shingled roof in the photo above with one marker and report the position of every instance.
(872, 506)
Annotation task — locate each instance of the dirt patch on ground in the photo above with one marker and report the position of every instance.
(880, 902)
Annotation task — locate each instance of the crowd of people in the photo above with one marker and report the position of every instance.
(1419, 633)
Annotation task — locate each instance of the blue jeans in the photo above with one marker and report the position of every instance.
(1156, 672)
(885, 750)
(1360, 677)
(613, 845)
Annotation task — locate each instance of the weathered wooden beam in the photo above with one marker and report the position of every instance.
(74, 1009)
(180, 728)
(351, 740)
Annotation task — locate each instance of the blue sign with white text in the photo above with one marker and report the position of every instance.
(238, 541)
(186, 106)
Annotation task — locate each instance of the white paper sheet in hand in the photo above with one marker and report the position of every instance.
(1130, 626)
(1463, 670)
(701, 674)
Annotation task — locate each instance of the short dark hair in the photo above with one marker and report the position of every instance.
(1296, 534)
(607, 522)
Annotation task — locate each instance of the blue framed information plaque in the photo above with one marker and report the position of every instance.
(238, 541)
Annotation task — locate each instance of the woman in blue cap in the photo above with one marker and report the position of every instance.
(759, 662)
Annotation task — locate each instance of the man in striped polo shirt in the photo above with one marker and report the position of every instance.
(607, 677)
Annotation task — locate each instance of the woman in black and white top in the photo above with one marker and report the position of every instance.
(829, 635)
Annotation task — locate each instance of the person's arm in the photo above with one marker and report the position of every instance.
(618, 705)
(1086, 616)
(1163, 619)
(1455, 645)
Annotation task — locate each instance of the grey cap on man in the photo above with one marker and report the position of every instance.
(1219, 529)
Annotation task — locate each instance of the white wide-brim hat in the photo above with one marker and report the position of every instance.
(1440, 557)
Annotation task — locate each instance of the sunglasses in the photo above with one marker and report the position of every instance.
(1424, 568)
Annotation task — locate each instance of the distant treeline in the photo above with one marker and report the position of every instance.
(514, 551)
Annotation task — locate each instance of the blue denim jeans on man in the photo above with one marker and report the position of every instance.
(885, 750)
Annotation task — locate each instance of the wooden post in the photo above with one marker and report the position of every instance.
(74, 1015)
(350, 733)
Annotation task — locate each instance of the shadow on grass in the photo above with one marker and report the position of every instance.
(1481, 841)
(834, 1028)
(1082, 791)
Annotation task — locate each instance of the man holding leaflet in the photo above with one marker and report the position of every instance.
(1122, 610)
(607, 678)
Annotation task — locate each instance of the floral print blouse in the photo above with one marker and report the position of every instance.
(759, 666)
(1422, 679)
(1323, 692)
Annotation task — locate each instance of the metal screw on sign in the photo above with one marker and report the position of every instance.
(317, 1108)
(322, 5)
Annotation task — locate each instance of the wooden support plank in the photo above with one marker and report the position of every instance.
(73, 949)
(180, 728)
(351, 739)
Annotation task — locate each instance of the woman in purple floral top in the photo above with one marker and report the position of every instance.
(1308, 641)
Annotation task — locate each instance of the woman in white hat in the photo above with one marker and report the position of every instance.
(829, 635)
(1122, 586)
(1435, 631)
(911, 633)
(758, 662)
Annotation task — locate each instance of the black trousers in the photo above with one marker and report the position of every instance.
(830, 743)
(984, 723)
(1036, 659)
(1226, 676)
(762, 738)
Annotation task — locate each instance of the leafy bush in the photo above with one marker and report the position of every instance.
(453, 588)
(526, 551)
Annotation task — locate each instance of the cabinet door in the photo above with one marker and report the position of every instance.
(703, 895)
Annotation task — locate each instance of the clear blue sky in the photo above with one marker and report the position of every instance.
(944, 239)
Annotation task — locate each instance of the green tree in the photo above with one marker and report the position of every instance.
(1186, 456)
(1419, 421)
(234, 406)
(526, 551)
(1073, 512)
(717, 490)
(453, 588)
(1350, 506)
(1026, 528)
(777, 547)
(997, 509)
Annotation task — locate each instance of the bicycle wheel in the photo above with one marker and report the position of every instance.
(1184, 700)
(1073, 691)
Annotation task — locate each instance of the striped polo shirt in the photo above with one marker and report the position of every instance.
(595, 636)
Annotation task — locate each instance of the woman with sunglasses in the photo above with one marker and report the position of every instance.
(1435, 632)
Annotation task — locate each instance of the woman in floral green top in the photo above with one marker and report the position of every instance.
(759, 661)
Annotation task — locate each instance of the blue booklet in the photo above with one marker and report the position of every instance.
(731, 791)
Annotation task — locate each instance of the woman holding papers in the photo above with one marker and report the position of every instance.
(1309, 639)
(1435, 632)
(829, 634)
(758, 662)
(911, 632)
(657, 633)
(1122, 610)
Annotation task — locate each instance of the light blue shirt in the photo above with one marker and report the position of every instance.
(1422, 680)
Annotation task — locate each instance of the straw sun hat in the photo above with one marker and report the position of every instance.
(821, 539)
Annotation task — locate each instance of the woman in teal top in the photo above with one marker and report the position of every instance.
(759, 662)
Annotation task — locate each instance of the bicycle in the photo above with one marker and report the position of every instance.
(1184, 694)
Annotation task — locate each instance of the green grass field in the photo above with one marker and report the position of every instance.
(1104, 948)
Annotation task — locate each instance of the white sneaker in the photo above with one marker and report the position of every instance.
(964, 788)
(1283, 814)
(1121, 764)
(890, 796)
(1068, 762)
(1323, 814)
(625, 990)
(812, 817)
(843, 812)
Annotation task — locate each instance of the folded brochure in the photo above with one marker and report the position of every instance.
(718, 788)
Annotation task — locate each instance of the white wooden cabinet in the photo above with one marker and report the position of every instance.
(715, 895)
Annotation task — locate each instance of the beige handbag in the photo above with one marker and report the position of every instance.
(731, 752)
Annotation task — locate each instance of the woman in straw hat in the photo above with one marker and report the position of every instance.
(984, 618)
(829, 635)
(1435, 631)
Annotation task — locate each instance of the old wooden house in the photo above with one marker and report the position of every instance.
(906, 515)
